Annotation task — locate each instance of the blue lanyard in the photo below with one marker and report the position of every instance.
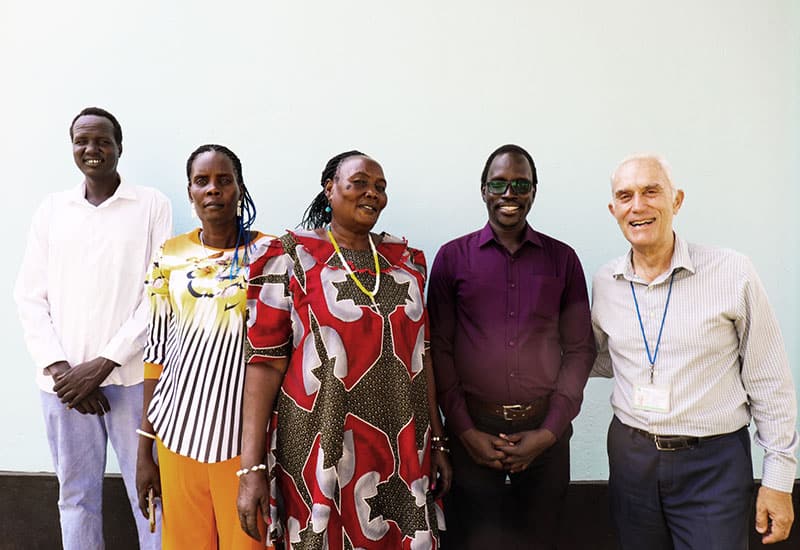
(652, 358)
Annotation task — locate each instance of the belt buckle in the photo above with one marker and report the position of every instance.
(659, 445)
(509, 410)
(657, 440)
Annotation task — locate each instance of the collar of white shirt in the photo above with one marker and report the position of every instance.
(680, 260)
(124, 191)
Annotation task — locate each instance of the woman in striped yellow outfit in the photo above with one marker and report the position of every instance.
(194, 369)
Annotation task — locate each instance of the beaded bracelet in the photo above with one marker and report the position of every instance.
(440, 448)
(440, 438)
(256, 468)
(145, 434)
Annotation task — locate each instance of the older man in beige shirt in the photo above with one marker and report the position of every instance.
(689, 336)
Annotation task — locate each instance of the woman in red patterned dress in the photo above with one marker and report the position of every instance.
(338, 368)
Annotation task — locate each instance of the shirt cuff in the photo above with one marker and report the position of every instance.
(44, 361)
(558, 415)
(458, 421)
(45, 351)
(779, 471)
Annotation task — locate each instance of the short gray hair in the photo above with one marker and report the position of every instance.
(655, 157)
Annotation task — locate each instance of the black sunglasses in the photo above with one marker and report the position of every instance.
(499, 187)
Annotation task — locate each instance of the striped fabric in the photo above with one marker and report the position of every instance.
(721, 353)
(196, 335)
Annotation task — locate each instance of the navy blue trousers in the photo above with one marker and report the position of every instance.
(698, 498)
(484, 512)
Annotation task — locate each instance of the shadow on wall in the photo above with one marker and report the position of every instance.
(30, 516)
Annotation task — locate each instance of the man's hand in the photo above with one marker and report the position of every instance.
(95, 403)
(57, 369)
(441, 473)
(253, 494)
(522, 448)
(76, 384)
(774, 515)
(483, 448)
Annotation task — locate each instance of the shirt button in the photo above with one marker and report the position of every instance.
(513, 285)
(512, 375)
(511, 343)
(511, 314)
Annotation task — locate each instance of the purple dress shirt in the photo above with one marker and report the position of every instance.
(509, 328)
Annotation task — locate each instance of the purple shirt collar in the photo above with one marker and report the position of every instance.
(486, 235)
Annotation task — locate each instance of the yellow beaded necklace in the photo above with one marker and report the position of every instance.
(361, 287)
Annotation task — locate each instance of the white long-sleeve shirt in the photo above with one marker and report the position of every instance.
(79, 291)
(721, 352)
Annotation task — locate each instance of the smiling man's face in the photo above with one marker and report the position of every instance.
(94, 146)
(644, 203)
(508, 211)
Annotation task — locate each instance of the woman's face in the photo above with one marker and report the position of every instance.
(213, 188)
(357, 194)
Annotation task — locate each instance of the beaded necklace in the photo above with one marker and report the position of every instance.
(361, 287)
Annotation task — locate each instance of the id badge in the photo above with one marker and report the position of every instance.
(651, 397)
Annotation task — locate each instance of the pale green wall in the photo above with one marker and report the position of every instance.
(429, 89)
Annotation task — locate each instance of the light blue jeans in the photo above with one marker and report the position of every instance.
(78, 444)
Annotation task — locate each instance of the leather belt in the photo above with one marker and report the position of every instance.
(674, 442)
(516, 411)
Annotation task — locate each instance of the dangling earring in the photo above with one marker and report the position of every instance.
(328, 209)
(192, 211)
(239, 209)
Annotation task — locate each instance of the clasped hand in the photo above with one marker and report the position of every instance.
(509, 452)
(78, 387)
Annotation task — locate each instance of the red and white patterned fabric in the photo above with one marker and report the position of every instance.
(350, 439)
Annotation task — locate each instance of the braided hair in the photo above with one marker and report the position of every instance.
(318, 213)
(245, 219)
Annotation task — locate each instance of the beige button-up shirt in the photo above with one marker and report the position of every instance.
(721, 352)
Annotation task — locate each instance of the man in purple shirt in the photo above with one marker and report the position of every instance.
(512, 348)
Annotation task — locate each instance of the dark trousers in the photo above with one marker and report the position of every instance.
(698, 498)
(483, 512)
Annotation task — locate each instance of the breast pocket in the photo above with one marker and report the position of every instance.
(543, 296)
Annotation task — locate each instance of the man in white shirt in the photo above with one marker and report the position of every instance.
(689, 336)
(79, 295)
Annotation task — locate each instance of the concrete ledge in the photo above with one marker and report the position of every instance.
(29, 515)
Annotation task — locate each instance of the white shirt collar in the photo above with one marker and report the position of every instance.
(124, 191)
(680, 260)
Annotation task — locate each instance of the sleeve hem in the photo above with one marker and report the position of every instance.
(457, 424)
(269, 362)
(152, 371)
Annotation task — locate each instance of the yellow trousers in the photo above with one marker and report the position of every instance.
(199, 504)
